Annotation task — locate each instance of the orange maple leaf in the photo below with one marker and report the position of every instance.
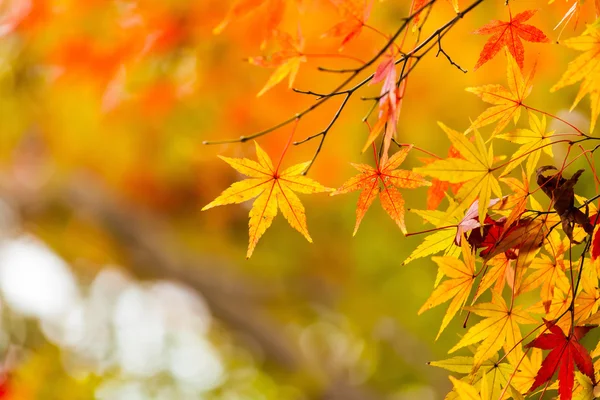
(509, 34)
(506, 103)
(271, 12)
(274, 189)
(390, 178)
(355, 14)
(437, 191)
(286, 61)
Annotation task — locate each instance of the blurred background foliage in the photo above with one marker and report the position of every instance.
(115, 286)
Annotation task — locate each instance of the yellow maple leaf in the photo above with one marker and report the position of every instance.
(464, 390)
(475, 171)
(533, 141)
(285, 61)
(526, 370)
(274, 189)
(585, 68)
(548, 272)
(506, 103)
(457, 288)
(500, 329)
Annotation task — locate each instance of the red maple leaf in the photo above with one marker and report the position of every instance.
(355, 13)
(566, 351)
(509, 34)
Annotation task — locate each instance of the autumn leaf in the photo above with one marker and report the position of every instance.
(509, 35)
(548, 272)
(587, 303)
(389, 107)
(585, 389)
(432, 244)
(383, 181)
(271, 12)
(525, 237)
(475, 171)
(471, 220)
(438, 188)
(355, 14)
(273, 189)
(286, 61)
(561, 193)
(500, 329)
(489, 380)
(526, 369)
(585, 68)
(459, 364)
(516, 202)
(497, 272)
(458, 287)
(506, 103)
(533, 142)
(566, 352)
(464, 390)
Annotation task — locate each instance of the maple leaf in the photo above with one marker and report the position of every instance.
(585, 389)
(432, 244)
(509, 35)
(561, 192)
(286, 61)
(489, 380)
(475, 171)
(548, 271)
(437, 191)
(525, 237)
(389, 107)
(526, 369)
(506, 103)
(533, 141)
(585, 68)
(383, 181)
(271, 11)
(499, 329)
(274, 189)
(496, 272)
(465, 391)
(355, 14)
(458, 287)
(517, 202)
(566, 351)
(471, 220)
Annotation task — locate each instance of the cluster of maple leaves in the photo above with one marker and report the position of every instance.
(501, 242)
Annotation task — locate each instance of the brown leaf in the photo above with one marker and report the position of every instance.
(562, 194)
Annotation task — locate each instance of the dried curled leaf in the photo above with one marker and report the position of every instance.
(561, 192)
